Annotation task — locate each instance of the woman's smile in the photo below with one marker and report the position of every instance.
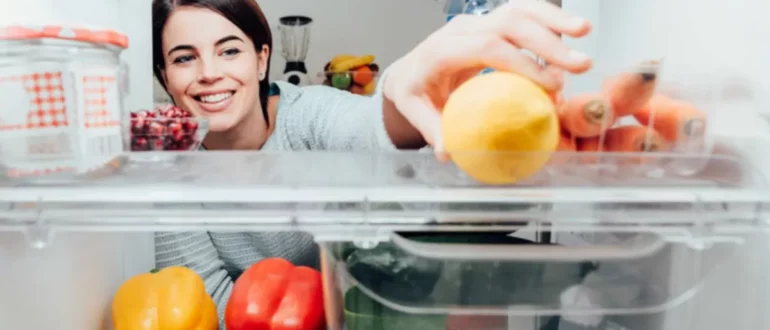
(214, 101)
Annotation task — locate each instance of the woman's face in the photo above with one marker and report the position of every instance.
(212, 68)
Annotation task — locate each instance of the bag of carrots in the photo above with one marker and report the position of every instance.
(589, 120)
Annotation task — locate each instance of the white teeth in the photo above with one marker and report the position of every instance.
(214, 98)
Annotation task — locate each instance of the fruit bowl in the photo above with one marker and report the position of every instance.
(166, 128)
(355, 82)
(355, 74)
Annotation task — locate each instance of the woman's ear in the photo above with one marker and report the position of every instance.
(263, 58)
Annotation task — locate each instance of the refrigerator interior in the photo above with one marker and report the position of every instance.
(72, 274)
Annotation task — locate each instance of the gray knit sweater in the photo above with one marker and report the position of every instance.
(309, 118)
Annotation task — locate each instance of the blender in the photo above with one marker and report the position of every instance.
(295, 39)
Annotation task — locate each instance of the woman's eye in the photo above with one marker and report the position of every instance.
(231, 52)
(183, 59)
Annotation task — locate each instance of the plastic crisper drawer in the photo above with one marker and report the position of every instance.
(503, 280)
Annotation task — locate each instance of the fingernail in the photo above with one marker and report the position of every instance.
(578, 22)
(578, 56)
(438, 140)
(442, 157)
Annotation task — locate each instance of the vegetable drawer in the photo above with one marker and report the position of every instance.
(464, 280)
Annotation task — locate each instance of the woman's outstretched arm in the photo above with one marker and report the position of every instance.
(324, 118)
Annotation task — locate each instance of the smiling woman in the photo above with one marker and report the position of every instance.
(213, 59)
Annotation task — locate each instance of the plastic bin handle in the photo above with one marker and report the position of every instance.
(534, 252)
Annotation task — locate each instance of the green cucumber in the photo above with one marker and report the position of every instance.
(364, 313)
(409, 280)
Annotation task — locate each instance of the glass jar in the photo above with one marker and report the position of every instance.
(61, 101)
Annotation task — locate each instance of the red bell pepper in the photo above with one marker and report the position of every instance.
(274, 294)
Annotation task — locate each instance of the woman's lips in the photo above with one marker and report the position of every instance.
(215, 102)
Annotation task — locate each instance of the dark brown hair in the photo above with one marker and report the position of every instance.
(245, 14)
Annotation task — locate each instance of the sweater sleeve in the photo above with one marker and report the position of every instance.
(325, 118)
(195, 250)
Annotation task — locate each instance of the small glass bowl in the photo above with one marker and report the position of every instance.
(172, 130)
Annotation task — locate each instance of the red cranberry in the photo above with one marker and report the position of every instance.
(191, 125)
(157, 129)
(158, 144)
(175, 129)
(137, 127)
(187, 142)
(169, 143)
(139, 144)
(139, 119)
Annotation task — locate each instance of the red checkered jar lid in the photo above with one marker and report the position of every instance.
(94, 36)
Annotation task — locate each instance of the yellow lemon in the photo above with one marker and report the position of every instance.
(500, 127)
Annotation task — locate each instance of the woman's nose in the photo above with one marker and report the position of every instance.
(209, 72)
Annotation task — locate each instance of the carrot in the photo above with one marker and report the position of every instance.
(589, 145)
(674, 120)
(630, 91)
(623, 139)
(566, 143)
(634, 139)
(586, 115)
(565, 150)
(557, 98)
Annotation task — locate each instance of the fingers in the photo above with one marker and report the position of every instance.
(528, 34)
(501, 55)
(427, 120)
(546, 14)
(424, 117)
(557, 73)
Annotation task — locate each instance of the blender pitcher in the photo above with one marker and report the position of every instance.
(295, 39)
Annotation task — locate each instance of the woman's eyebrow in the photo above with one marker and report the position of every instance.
(219, 42)
(226, 39)
(180, 47)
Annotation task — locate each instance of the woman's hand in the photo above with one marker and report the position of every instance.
(419, 83)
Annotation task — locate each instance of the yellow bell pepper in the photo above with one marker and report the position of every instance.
(174, 298)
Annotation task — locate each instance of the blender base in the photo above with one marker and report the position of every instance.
(296, 73)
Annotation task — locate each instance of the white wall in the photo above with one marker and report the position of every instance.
(387, 29)
(78, 12)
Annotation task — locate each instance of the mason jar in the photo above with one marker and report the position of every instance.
(61, 101)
